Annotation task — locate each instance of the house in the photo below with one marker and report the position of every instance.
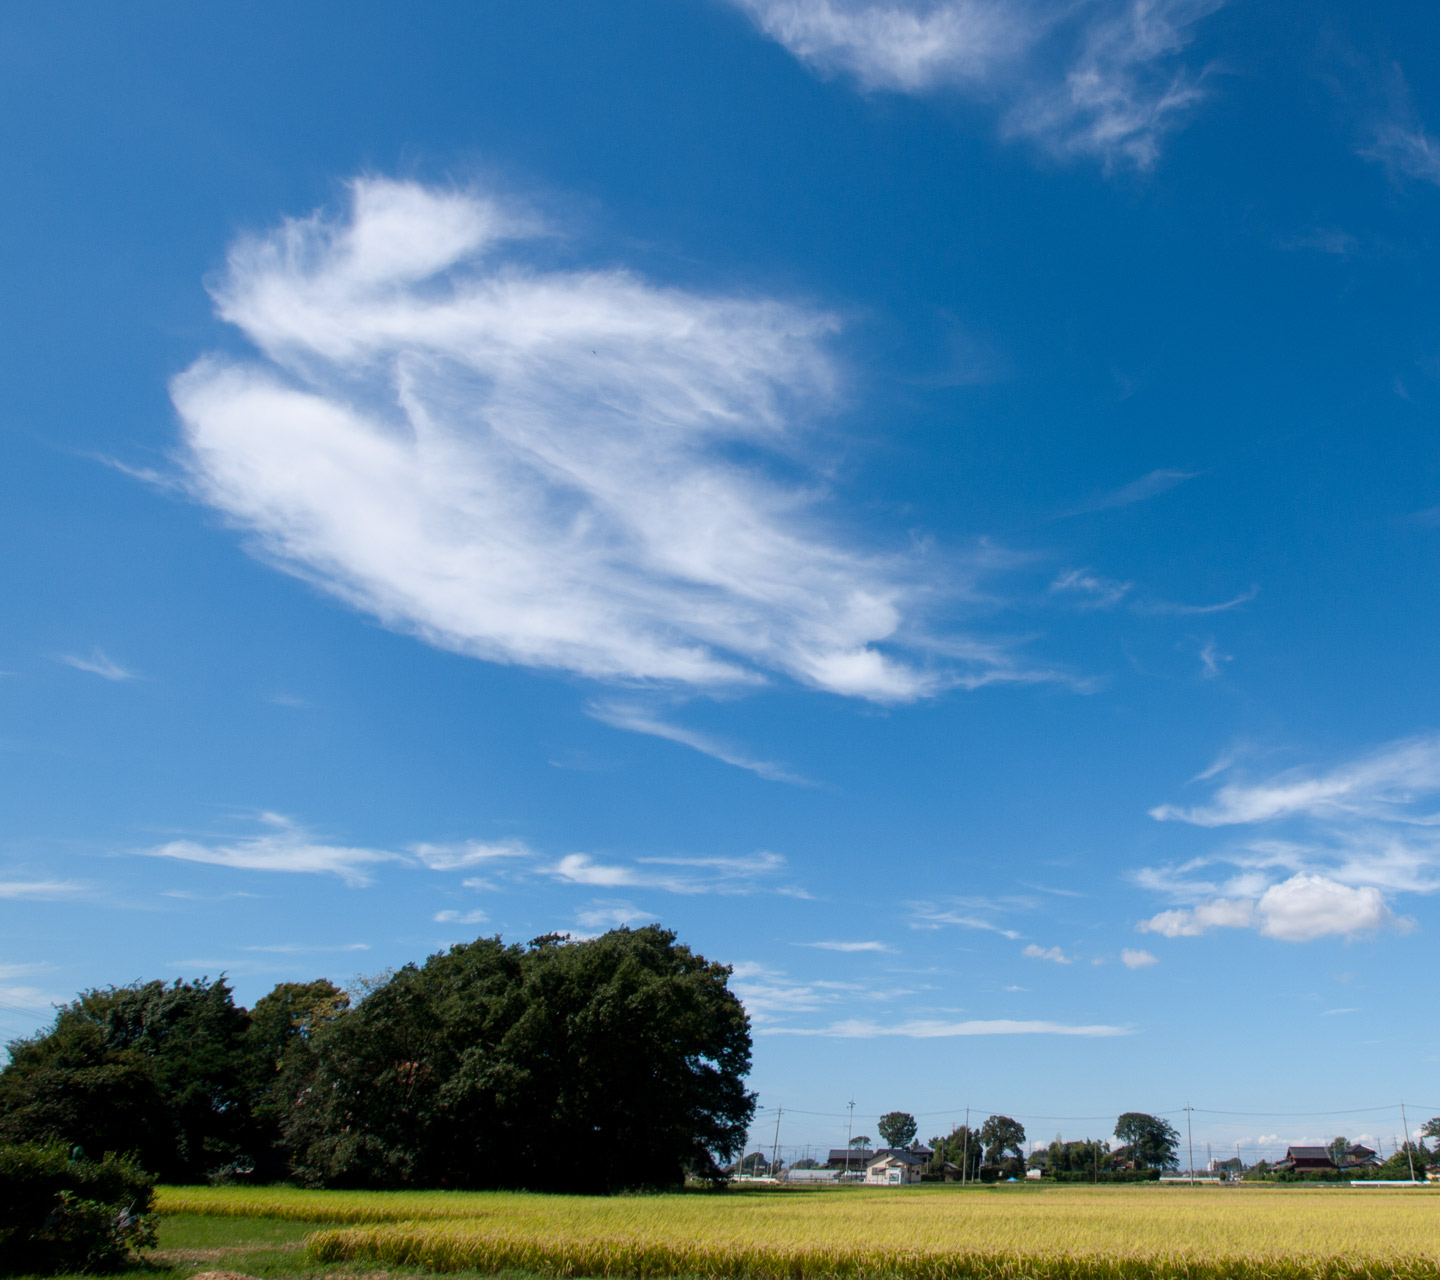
(855, 1159)
(1307, 1160)
(1359, 1157)
(894, 1168)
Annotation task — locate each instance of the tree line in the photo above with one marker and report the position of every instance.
(594, 1064)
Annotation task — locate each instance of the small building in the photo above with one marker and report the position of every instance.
(894, 1168)
(1359, 1157)
(849, 1159)
(1307, 1160)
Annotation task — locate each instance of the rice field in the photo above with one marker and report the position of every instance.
(926, 1233)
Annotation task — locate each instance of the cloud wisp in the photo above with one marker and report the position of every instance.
(935, 1029)
(1101, 78)
(637, 719)
(1318, 852)
(99, 663)
(570, 469)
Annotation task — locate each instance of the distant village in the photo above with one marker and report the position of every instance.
(1149, 1151)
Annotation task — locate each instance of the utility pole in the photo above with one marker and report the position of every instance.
(849, 1129)
(1190, 1140)
(775, 1150)
(965, 1151)
(1409, 1146)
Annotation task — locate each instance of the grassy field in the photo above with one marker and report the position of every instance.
(924, 1233)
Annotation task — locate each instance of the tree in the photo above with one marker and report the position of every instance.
(1000, 1134)
(1153, 1143)
(861, 1143)
(152, 1069)
(960, 1147)
(612, 1062)
(897, 1128)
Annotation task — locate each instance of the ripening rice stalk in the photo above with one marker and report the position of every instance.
(921, 1233)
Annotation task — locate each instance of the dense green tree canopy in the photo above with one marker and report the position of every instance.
(897, 1128)
(962, 1148)
(616, 1061)
(1002, 1135)
(1153, 1143)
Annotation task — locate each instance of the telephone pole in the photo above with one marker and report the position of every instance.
(849, 1129)
(965, 1151)
(1409, 1146)
(775, 1150)
(1190, 1141)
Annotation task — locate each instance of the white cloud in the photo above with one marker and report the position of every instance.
(465, 854)
(962, 914)
(475, 916)
(1092, 591)
(1300, 909)
(1150, 485)
(686, 875)
(1133, 959)
(296, 948)
(285, 847)
(544, 466)
(1211, 658)
(98, 664)
(1053, 954)
(1383, 784)
(1098, 78)
(613, 915)
(39, 890)
(848, 946)
(638, 720)
(927, 1029)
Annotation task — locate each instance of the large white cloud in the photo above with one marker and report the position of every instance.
(1097, 77)
(1300, 909)
(567, 469)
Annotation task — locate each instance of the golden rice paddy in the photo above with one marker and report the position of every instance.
(924, 1233)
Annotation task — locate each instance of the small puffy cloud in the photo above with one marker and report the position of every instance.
(473, 916)
(1133, 959)
(1300, 909)
(602, 916)
(1053, 954)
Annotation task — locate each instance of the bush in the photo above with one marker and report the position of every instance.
(63, 1214)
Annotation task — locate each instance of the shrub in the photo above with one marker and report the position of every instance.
(63, 1214)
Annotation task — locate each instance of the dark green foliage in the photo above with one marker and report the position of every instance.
(897, 1128)
(59, 1214)
(961, 1147)
(1152, 1143)
(1107, 1175)
(151, 1069)
(1087, 1157)
(613, 1062)
(1001, 1135)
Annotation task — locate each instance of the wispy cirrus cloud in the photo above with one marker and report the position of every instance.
(638, 719)
(284, 847)
(1101, 78)
(39, 890)
(849, 947)
(98, 663)
(961, 913)
(749, 874)
(1150, 485)
(570, 469)
(936, 1029)
(1328, 845)
(1399, 139)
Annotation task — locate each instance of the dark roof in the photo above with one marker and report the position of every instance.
(1308, 1153)
(904, 1157)
(856, 1155)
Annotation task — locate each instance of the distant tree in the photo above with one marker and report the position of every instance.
(152, 1069)
(805, 1162)
(1086, 1156)
(861, 1143)
(1339, 1148)
(1431, 1128)
(897, 1128)
(960, 1147)
(626, 1052)
(1001, 1134)
(1153, 1143)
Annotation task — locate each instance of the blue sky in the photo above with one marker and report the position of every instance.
(936, 502)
